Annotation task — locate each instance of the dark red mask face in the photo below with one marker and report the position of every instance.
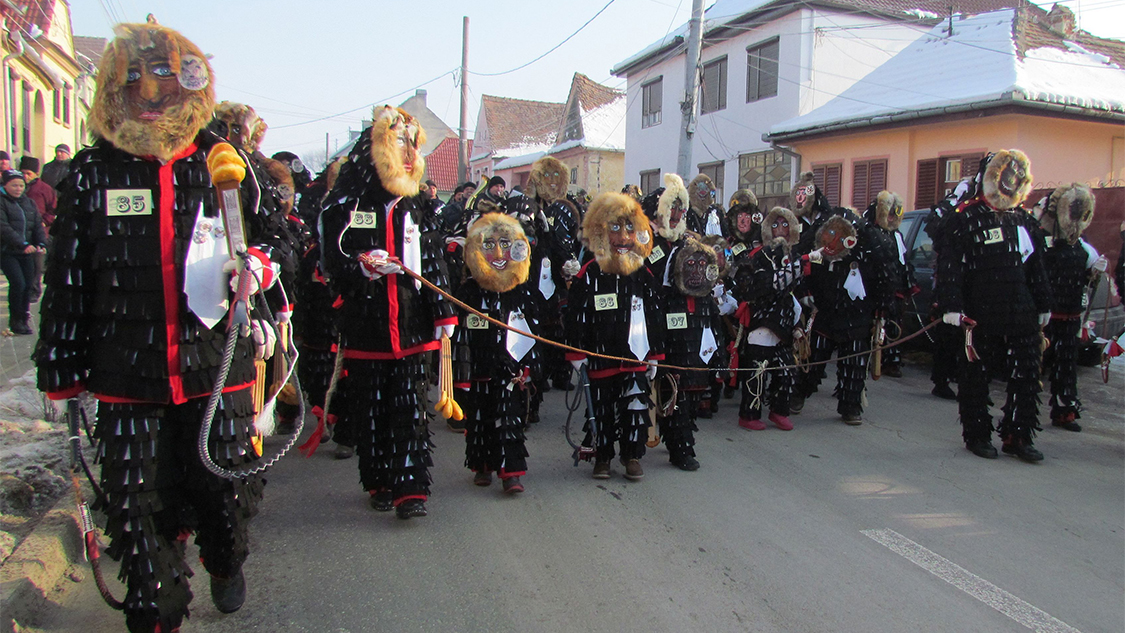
(622, 236)
(151, 87)
(780, 227)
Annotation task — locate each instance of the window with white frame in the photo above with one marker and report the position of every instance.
(652, 99)
(761, 70)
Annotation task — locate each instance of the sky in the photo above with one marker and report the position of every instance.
(316, 68)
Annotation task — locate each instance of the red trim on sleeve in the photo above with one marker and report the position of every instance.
(168, 266)
(691, 304)
(267, 267)
(656, 357)
(806, 265)
(393, 355)
(574, 356)
(582, 271)
(66, 393)
(462, 385)
(452, 320)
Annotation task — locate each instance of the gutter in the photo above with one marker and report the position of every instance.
(1005, 99)
(795, 166)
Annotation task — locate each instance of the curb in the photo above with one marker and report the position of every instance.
(28, 577)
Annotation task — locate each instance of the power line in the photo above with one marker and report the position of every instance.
(549, 51)
(373, 103)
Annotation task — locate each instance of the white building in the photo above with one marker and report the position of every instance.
(762, 62)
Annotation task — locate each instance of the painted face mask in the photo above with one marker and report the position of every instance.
(804, 194)
(837, 237)
(395, 139)
(676, 215)
(618, 233)
(496, 252)
(745, 222)
(780, 227)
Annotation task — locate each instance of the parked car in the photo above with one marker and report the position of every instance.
(920, 252)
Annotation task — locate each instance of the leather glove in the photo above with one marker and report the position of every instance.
(375, 264)
(448, 330)
(283, 315)
(263, 272)
(1044, 319)
(578, 364)
(817, 256)
(953, 318)
(265, 339)
(1101, 264)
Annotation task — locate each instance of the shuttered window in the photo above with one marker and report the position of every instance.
(869, 177)
(938, 177)
(652, 102)
(925, 193)
(713, 90)
(761, 70)
(650, 181)
(827, 179)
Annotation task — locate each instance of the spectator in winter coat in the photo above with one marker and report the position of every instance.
(21, 238)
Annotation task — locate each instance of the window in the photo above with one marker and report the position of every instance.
(652, 100)
(650, 181)
(938, 177)
(574, 175)
(761, 70)
(66, 106)
(56, 105)
(713, 90)
(26, 117)
(827, 179)
(869, 177)
(714, 171)
(767, 174)
(12, 87)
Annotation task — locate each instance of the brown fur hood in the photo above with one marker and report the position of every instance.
(886, 211)
(1007, 179)
(385, 154)
(548, 179)
(690, 247)
(794, 225)
(702, 194)
(843, 229)
(719, 244)
(743, 201)
(1069, 212)
(243, 127)
(608, 208)
(673, 190)
(497, 226)
(177, 128)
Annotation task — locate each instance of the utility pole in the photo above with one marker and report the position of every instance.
(326, 154)
(463, 132)
(689, 107)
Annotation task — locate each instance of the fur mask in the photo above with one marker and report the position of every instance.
(240, 125)
(283, 178)
(781, 214)
(744, 202)
(675, 196)
(696, 270)
(886, 211)
(702, 192)
(548, 179)
(178, 124)
(1007, 179)
(395, 139)
(634, 191)
(497, 252)
(719, 244)
(1070, 209)
(622, 251)
(837, 237)
(803, 196)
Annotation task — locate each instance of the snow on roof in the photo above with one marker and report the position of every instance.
(978, 64)
(603, 127)
(519, 161)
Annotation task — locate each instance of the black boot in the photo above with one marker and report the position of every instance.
(228, 594)
(410, 508)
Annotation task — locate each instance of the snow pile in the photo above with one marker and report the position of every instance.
(34, 469)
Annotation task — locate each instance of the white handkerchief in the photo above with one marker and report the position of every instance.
(901, 248)
(707, 346)
(854, 285)
(411, 243)
(546, 283)
(206, 283)
(638, 329)
(1026, 246)
(518, 344)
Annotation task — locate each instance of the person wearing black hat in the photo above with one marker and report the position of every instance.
(21, 238)
(5, 161)
(55, 171)
(45, 199)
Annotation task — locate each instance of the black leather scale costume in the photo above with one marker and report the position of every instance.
(115, 322)
(619, 390)
(983, 275)
(483, 372)
(385, 324)
(686, 320)
(1070, 281)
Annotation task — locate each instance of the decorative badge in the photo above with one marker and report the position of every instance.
(193, 73)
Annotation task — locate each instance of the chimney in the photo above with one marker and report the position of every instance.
(1060, 21)
(421, 94)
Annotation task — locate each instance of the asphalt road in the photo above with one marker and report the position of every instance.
(888, 526)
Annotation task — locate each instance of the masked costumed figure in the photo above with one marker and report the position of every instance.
(848, 290)
(812, 209)
(371, 224)
(723, 381)
(744, 225)
(1073, 267)
(946, 338)
(494, 365)
(694, 338)
(706, 217)
(765, 284)
(884, 216)
(992, 278)
(554, 258)
(135, 313)
(666, 208)
(614, 310)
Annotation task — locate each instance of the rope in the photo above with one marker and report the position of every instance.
(759, 379)
(464, 306)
